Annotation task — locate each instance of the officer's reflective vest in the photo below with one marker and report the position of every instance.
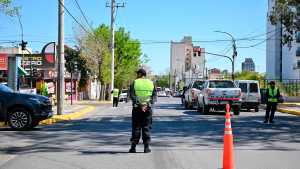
(44, 89)
(116, 93)
(273, 94)
(143, 90)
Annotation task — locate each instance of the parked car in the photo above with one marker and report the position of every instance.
(217, 93)
(190, 95)
(124, 96)
(251, 96)
(23, 111)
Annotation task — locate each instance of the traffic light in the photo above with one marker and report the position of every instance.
(34, 72)
(23, 45)
(75, 66)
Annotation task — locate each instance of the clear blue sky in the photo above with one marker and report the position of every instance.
(152, 20)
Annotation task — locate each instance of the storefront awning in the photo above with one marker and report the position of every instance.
(22, 72)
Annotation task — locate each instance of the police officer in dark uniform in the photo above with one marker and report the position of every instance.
(273, 96)
(143, 94)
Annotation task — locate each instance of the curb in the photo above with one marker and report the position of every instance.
(66, 117)
(71, 116)
(287, 111)
(293, 112)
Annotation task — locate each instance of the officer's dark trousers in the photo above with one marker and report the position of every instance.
(115, 101)
(141, 123)
(270, 107)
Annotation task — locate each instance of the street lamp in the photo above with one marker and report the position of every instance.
(234, 54)
(231, 60)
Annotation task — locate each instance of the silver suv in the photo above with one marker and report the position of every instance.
(191, 93)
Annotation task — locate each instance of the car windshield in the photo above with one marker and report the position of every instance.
(6, 89)
(198, 85)
(243, 87)
(124, 91)
(221, 84)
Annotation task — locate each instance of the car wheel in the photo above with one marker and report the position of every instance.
(199, 109)
(186, 105)
(206, 109)
(256, 109)
(19, 119)
(236, 111)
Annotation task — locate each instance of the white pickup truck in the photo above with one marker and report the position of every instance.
(217, 93)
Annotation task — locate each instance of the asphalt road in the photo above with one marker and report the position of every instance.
(182, 139)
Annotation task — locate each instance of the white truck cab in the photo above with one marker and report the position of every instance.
(217, 93)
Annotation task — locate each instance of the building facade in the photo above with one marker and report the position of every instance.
(248, 65)
(187, 62)
(215, 74)
(285, 66)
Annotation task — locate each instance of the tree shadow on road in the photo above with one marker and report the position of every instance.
(189, 129)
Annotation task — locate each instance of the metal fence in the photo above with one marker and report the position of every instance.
(288, 87)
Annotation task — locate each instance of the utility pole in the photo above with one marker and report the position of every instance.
(280, 54)
(113, 7)
(61, 59)
(234, 54)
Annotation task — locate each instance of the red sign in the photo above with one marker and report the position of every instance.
(3, 61)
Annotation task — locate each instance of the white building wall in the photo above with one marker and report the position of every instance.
(177, 60)
(273, 50)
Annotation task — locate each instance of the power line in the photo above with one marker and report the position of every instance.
(259, 43)
(69, 13)
(83, 14)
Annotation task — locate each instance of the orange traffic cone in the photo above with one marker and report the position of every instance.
(228, 156)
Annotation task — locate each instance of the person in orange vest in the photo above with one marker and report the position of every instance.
(143, 95)
(272, 95)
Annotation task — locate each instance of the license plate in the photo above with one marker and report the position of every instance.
(224, 102)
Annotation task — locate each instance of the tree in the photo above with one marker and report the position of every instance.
(7, 8)
(287, 12)
(95, 48)
(162, 81)
(248, 76)
(72, 57)
(127, 59)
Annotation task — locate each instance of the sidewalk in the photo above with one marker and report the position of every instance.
(71, 112)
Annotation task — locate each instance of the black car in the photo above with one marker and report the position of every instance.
(23, 111)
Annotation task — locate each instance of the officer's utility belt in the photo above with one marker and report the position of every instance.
(143, 101)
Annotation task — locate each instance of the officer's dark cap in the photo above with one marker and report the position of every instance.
(142, 72)
(272, 83)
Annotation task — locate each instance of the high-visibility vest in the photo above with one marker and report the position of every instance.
(44, 89)
(143, 90)
(116, 93)
(273, 93)
(181, 86)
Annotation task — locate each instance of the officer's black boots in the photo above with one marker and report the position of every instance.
(147, 148)
(132, 148)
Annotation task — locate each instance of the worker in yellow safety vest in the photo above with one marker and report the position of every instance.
(272, 95)
(116, 94)
(143, 95)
